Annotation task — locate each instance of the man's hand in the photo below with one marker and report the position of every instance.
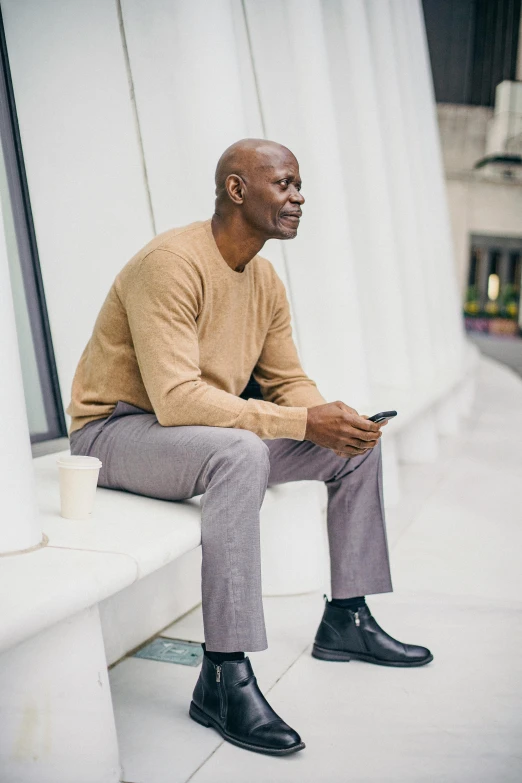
(338, 427)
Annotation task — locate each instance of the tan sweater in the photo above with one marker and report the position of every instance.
(180, 333)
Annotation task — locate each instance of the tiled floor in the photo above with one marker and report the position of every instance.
(456, 557)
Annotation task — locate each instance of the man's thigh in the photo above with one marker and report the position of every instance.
(295, 460)
(140, 456)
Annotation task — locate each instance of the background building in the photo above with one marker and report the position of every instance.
(476, 59)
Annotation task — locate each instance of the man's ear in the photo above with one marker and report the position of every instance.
(235, 188)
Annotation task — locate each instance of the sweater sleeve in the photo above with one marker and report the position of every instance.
(278, 370)
(162, 304)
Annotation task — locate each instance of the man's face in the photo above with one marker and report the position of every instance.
(273, 199)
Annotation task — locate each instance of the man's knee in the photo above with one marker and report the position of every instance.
(245, 447)
(250, 446)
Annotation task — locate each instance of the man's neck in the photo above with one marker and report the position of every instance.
(235, 241)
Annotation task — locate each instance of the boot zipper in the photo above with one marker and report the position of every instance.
(220, 691)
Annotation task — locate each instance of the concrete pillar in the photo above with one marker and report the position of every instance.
(466, 396)
(440, 264)
(56, 709)
(19, 518)
(403, 197)
(294, 540)
(360, 131)
(418, 442)
(390, 470)
(447, 414)
(413, 107)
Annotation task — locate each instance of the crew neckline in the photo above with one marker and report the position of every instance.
(239, 277)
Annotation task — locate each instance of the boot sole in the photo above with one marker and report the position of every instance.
(338, 655)
(205, 720)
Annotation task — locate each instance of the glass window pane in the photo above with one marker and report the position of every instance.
(38, 423)
(40, 380)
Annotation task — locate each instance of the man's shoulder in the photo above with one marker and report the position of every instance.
(178, 241)
(162, 255)
(182, 241)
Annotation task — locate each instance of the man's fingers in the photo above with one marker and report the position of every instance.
(351, 450)
(359, 437)
(363, 423)
(346, 407)
(351, 453)
(359, 443)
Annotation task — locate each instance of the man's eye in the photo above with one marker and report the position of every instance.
(283, 182)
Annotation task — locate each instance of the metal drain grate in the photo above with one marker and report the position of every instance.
(172, 651)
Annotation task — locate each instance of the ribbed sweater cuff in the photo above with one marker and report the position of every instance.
(292, 423)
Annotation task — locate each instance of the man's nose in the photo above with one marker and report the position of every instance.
(297, 197)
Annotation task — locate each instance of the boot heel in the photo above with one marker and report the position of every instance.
(197, 715)
(329, 655)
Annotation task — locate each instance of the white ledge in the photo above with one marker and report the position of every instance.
(39, 589)
(128, 537)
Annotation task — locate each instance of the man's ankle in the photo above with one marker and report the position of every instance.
(220, 657)
(349, 603)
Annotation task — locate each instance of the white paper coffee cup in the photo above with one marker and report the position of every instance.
(78, 481)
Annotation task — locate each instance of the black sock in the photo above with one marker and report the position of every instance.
(349, 603)
(220, 657)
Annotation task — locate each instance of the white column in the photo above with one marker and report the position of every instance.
(403, 197)
(292, 74)
(19, 519)
(450, 305)
(189, 99)
(390, 470)
(428, 258)
(418, 442)
(294, 539)
(424, 149)
(447, 414)
(466, 395)
(360, 131)
(56, 714)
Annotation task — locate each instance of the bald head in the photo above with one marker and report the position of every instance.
(258, 185)
(249, 159)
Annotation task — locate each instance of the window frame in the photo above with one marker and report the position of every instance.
(28, 252)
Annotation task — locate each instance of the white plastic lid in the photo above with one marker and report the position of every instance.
(77, 461)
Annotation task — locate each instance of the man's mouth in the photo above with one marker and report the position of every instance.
(292, 215)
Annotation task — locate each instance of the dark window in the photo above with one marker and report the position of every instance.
(473, 47)
(514, 270)
(473, 267)
(41, 388)
(492, 301)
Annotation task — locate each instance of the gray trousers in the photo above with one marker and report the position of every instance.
(231, 469)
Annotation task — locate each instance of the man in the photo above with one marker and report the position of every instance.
(185, 324)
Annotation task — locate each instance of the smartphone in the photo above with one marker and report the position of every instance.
(382, 416)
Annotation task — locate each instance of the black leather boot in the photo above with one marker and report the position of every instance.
(227, 697)
(343, 635)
